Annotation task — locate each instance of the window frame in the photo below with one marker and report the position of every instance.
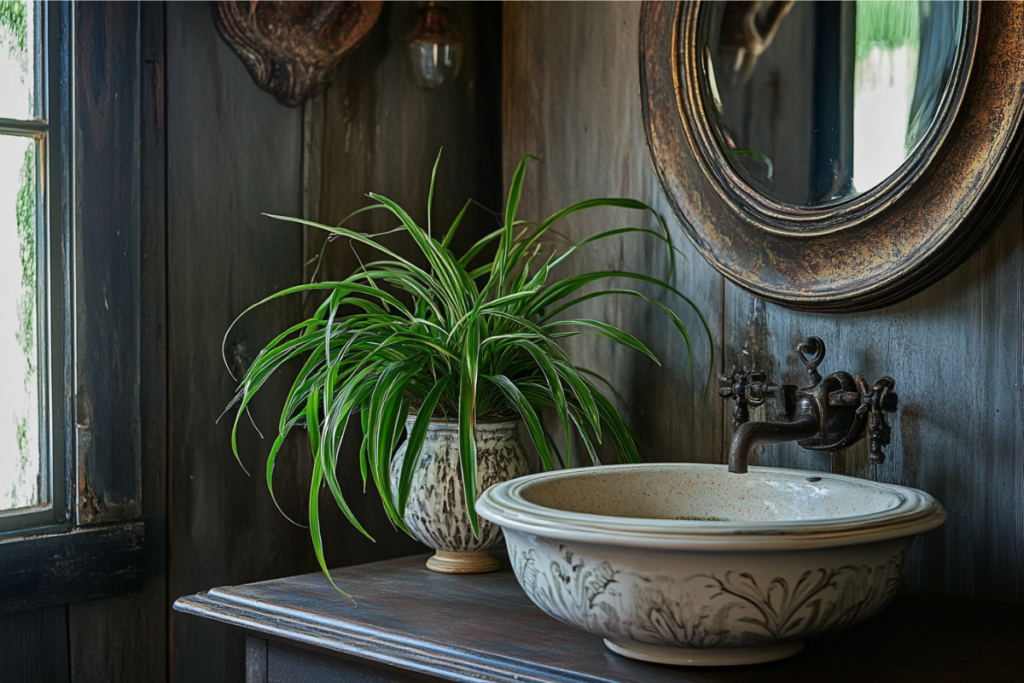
(50, 130)
(108, 104)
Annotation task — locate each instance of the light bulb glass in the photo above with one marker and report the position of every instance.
(434, 49)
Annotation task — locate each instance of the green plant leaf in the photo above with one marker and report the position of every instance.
(582, 392)
(328, 456)
(385, 410)
(502, 265)
(430, 195)
(314, 523)
(529, 415)
(414, 446)
(608, 331)
(467, 420)
(554, 384)
(420, 329)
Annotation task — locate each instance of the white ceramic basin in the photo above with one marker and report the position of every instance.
(688, 564)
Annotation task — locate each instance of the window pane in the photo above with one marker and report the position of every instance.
(17, 59)
(21, 474)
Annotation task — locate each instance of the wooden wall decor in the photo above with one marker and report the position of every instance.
(292, 49)
(869, 251)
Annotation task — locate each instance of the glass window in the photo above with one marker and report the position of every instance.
(20, 457)
(17, 52)
(27, 184)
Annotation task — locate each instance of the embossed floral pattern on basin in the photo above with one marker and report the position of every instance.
(737, 590)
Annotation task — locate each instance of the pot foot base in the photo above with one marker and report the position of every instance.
(711, 656)
(447, 562)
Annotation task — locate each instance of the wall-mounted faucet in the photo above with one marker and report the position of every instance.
(827, 415)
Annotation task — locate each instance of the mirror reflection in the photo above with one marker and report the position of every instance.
(814, 103)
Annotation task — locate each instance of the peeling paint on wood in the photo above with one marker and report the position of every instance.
(59, 569)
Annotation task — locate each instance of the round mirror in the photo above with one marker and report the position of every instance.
(815, 103)
(834, 156)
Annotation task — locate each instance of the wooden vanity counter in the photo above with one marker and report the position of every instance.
(410, 624)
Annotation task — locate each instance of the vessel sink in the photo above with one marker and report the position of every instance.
(688, 564)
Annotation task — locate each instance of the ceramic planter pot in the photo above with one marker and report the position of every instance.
(436, 510)
(688, 564)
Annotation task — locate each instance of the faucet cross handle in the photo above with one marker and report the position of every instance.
(879, 399)
(736, 386)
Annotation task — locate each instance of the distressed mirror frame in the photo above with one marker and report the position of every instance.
(870, 251)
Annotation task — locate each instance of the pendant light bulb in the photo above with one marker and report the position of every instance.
(433, 49)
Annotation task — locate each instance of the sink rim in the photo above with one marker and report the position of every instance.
(505, 505)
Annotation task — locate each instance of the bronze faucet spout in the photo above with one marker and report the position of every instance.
(832, 412)
(804, 425)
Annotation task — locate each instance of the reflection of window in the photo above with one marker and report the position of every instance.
(903, 60)
(30, 196)
(885, 73)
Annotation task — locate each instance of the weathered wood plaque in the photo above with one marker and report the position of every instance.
(292, 49)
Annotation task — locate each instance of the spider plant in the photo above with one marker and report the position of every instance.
(448, 340)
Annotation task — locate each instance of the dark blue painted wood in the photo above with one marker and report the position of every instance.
(34, 646)
(107, 303)
(59, 569)
(408, 620)
(288, 664)
(124, 638)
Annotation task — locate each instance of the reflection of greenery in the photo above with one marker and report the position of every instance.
(751, 154)
(25, 210)
(14, 33)
(887, 25)
(14, 28)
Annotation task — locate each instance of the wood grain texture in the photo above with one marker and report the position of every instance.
(124, 639)
(374, 131)
(34, 646)
(232, 153)
(483, 627)
(255, 660)
(59, 569)
(570, 96)
(287, 664)
(955, 350)
(106, 312)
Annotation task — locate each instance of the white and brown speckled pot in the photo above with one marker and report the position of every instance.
(436, 510)
(687, 563)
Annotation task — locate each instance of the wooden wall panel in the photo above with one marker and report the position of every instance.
(105, 313)
(125, 638)
(955, 351)
(232, 153)
(570, 94)
(121, 378)
(373, 130)
(34, 646)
